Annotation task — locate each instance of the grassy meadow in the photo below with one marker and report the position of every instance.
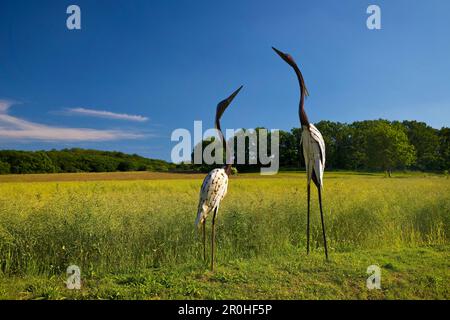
(133, 236)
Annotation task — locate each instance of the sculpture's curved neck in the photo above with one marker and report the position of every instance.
(228, 163)
(303, 92)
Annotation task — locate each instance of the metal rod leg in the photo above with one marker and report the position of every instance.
(323, 224)
(213, 235)
(204, 240)
(307, 219)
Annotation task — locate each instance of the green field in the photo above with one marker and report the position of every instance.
(135, 238)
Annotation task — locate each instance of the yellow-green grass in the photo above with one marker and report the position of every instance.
(136, 239)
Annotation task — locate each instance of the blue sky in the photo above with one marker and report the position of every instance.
(140, 69)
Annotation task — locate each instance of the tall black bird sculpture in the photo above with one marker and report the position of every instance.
(313, 149)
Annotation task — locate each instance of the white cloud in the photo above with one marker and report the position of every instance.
(106, 114)
(15, 128)
(4, 105)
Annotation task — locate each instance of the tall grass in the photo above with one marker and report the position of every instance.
(116, 226)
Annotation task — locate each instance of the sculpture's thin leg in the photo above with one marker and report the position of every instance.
(213, 239)
(323, 224)
(307, 218)
(204, 240)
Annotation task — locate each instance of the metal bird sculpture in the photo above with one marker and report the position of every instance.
(313, 149)
(214, 187)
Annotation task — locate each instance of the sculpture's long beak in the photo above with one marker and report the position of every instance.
(281, 54)
(233, 95)
(225, 103)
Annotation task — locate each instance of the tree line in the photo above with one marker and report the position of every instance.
(373, 145)
(76, 160)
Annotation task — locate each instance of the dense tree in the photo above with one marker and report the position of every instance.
(290, 145)
(78, 160)
(425, 140)
(125, 166)
(444, 148)
(27, 162)
(4, 167)
(387, 147)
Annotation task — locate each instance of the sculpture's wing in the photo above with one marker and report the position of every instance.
(317, 136)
